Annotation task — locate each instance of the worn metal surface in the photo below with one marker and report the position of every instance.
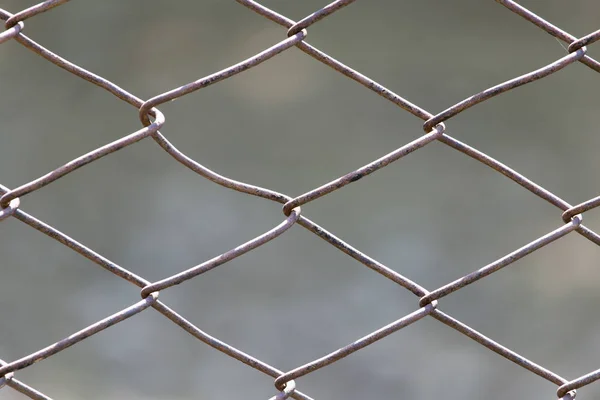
(152, 120)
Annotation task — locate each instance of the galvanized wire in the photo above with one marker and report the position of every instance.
(435, 130)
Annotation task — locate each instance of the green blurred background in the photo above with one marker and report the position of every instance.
(292, 124)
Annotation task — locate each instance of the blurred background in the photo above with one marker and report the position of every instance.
(292, 124)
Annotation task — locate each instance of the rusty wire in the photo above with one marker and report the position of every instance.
(434, 125)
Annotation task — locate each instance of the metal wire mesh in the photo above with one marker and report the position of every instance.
(435, 130)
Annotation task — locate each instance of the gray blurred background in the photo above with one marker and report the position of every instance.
(292, 124)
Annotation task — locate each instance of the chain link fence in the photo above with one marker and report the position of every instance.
(435, 129)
